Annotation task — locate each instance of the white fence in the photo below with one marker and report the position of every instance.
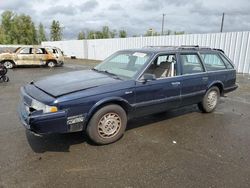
(235, 44)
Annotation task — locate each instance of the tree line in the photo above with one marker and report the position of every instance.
(20, 29)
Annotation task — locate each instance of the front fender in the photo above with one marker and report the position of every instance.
(111, 100)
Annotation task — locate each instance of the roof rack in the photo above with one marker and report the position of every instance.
(159, 46)
(193, 47)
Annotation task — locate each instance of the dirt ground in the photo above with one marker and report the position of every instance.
(180, 148)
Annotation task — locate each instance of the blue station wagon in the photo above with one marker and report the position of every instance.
(128, 84)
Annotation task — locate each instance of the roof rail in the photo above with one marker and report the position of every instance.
(219, 50)
(159, 46)
(193, 47)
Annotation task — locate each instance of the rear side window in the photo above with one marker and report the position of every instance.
(213, 62)
(226, 61)
(191, 64)
(41, 51)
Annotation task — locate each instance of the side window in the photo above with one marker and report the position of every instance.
(191, 64)
(213, 62)
(40, 51)
(25, 51)
(226, 61)
(164, 66)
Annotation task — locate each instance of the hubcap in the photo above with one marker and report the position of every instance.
(8, 64)
(109, 125)
(212, 99)
(51, 64)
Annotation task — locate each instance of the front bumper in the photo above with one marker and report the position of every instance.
(44, 123)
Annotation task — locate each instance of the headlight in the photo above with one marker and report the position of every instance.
(45, 108)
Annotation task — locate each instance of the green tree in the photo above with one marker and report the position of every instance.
(1, 35)
(56, 31)
(7, 22)
(122, 34)
(23, 30)
(105, 32)
(91, 35)
(41, 33)
(179, 32)
(81, 35)
(113, 33)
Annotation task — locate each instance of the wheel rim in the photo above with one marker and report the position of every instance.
(109, 125)
(8, 64)
(212, 99)
(51, 64)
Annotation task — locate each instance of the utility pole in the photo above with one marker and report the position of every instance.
(162, 24)
(222, 22)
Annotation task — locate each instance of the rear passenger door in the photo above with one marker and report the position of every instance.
(40, 56)
(194, 78)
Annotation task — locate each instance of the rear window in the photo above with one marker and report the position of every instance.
(213, 62)
(226, 61)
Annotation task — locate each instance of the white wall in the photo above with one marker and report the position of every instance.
(70, 47)
(235, 44)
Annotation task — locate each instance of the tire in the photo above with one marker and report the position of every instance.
(6, 79)
(107, 125)
(8, 64)
(51, 64)
(210, 100)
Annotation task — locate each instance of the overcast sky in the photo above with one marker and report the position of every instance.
(135, 16)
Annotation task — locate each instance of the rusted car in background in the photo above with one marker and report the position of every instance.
(46, 56)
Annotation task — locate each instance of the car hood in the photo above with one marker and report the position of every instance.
(70, 82)
(5, 54)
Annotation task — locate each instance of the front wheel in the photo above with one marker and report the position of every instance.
(8, 64)
(5, 78)
(107, 125)
(210, 100)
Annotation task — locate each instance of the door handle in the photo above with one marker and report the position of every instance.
(204, 78)
(175, 83)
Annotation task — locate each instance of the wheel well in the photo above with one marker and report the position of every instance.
(220, 86)
(122, 104)
(51, 60)
(8, 60)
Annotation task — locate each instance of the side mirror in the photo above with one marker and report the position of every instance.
(147, 77)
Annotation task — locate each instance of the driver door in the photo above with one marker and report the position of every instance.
(162, 93)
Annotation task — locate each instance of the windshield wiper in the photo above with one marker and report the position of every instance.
(107, 72)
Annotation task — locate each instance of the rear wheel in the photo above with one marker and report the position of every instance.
(8, 64)
(210, 100)
(107, 125)
(51, 64)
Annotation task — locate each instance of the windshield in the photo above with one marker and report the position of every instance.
(124, 64)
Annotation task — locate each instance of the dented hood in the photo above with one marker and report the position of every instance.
(65, 83)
